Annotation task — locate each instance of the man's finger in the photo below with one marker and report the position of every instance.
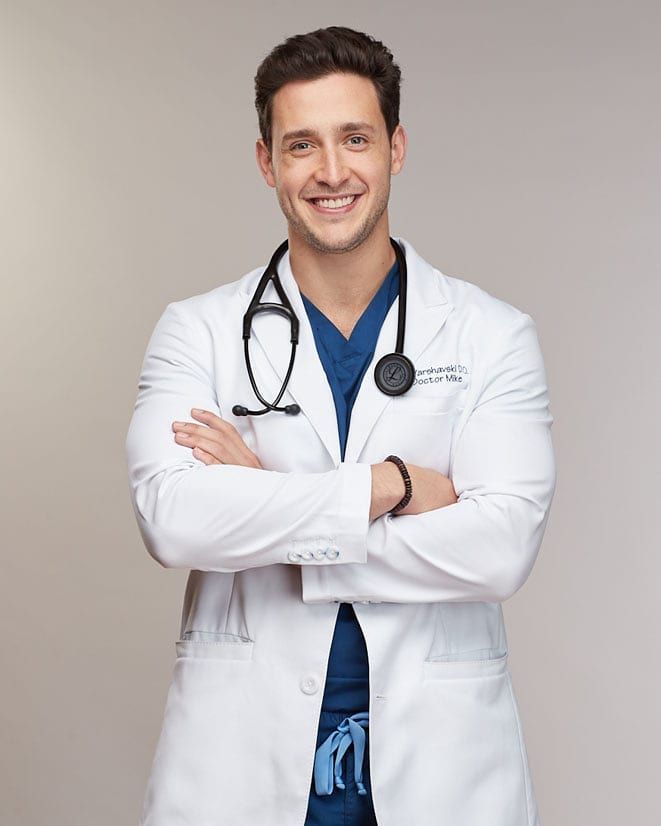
(213, 448)
(230, 443)
(205, 457)
(211, 419)
(223, 440)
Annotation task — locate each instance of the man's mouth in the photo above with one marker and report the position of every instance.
(330, 205)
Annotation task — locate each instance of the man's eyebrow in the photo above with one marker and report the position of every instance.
(352, 126)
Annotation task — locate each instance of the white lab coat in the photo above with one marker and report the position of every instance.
(272, 551)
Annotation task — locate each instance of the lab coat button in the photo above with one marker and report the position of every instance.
(320, 553)
(332, 553)
(306, 555)
(292, 556)
(309, 685)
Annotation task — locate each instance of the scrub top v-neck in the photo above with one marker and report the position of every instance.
(346, 691)
(346, 360)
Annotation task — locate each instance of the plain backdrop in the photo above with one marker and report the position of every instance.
(128, 180)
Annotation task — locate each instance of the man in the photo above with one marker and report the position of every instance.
(342, 654)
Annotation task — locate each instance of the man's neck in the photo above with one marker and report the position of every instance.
(342, 285)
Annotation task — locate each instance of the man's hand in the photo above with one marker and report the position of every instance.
(215, 442)
(431, 489)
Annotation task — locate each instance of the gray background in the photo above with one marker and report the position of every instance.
(129, 180)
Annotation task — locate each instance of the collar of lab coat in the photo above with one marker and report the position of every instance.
(427, 309)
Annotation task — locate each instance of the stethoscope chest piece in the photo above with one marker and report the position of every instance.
(394, 374)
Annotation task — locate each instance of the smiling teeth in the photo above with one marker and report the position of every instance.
(335, 203)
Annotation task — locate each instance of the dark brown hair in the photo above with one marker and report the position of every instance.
(323, 52)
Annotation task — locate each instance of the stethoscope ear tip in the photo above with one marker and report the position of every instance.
(240, 410)
(292, 409)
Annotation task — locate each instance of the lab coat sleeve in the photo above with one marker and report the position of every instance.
(224, 517)
(483, 547)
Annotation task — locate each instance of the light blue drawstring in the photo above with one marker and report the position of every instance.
(348, 731)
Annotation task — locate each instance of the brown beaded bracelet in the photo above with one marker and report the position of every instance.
(408, 485)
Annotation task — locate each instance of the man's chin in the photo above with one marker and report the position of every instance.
(333, 244)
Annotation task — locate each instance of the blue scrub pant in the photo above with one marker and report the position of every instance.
(342, 748)
(344, 807)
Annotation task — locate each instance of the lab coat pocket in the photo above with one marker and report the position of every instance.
(473, 741)
(419, 427)
(469, 641)
(214, 645)
(486, 663)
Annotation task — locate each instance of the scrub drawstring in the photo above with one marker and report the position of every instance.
(348, 731)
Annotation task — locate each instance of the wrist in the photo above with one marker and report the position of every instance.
(408, 484)
(388, 488)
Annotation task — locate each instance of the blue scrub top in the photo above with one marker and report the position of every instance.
(345, 362)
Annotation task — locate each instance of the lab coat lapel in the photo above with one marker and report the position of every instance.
(308, 383)
(426, 312)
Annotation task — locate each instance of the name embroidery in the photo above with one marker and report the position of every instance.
(454, 373)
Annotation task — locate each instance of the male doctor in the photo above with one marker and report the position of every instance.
(342, 658)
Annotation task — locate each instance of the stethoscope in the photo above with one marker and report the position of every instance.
(393, 373)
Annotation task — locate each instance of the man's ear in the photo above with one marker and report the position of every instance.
(264, 162)
(398, 146)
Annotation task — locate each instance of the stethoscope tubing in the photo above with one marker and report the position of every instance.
(396, 361)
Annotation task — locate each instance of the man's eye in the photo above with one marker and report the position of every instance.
(357, 137)
(300, 143)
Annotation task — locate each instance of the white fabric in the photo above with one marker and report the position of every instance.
(272, 551)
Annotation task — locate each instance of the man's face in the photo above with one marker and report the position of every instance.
(330, 141)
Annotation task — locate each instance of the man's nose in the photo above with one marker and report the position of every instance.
(332, 170)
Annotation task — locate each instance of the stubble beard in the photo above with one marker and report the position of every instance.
(361, 234)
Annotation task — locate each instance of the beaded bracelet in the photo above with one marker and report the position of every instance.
(408, 485)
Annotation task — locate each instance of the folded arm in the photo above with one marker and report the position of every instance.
(225, 517)
(483, 547)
